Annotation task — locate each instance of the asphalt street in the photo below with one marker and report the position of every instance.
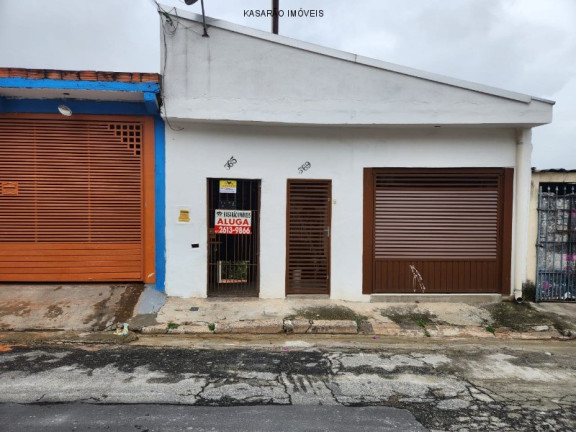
(167, 418)
(460, 387)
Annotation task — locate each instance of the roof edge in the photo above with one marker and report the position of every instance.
(553, 170)
(366, 61)
(79, 75)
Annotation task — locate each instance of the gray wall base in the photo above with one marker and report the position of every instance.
(436, 298)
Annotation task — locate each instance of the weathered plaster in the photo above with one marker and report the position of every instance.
(273, 154)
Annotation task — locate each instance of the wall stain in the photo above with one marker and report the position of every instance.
(127, 303)
(17, 308)
(54, 311)
(107, 312)
(99, 316)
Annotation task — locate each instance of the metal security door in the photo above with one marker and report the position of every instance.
(556, 244)
(233, 237)
(437, 230)
(308, 237)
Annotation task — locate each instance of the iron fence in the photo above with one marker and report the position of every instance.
(556, 242)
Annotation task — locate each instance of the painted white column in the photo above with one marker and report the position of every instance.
(521, 208)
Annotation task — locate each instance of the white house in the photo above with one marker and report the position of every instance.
(297, 169)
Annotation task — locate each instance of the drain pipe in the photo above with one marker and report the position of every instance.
(512, 298)
(522, 208)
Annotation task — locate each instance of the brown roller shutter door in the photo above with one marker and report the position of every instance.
(437, 230)
(76, 202)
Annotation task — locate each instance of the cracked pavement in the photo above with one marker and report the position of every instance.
(446, 387)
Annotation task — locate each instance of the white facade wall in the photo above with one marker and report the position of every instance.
(273, 155)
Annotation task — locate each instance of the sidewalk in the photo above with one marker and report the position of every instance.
(315, 316)
(75, 307)
(86, 313)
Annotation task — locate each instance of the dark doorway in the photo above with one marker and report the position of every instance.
(308, 237)
(233, 237)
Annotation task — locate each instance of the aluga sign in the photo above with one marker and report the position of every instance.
(232, 221)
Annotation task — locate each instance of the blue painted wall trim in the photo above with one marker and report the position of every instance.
(160, 194)
(151, 102)
(79, 85)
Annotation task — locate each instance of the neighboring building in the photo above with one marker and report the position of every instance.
(81, 177)
(552, 235)
(297, 169)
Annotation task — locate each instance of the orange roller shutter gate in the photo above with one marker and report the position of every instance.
(76, 198)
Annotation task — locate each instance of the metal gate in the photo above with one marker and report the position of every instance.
(76, 198)
(308, 237)
(233, 237)
(432, 230)
(556, 242)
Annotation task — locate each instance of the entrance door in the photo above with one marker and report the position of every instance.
(233, 237)
(308, 237)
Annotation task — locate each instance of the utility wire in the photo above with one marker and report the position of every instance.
(165, 19)
(170, 23)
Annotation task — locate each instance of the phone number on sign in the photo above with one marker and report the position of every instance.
(232, 230)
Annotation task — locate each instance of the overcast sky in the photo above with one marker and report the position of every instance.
(528, 46)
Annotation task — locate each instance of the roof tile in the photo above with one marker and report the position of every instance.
(129, 77)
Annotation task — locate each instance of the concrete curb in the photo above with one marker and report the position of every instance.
(287, 339)
(69, 337)
(191, 329)
(349, 327)
(297, 326)
(333, 327)
(268, 326)
(155, 329)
